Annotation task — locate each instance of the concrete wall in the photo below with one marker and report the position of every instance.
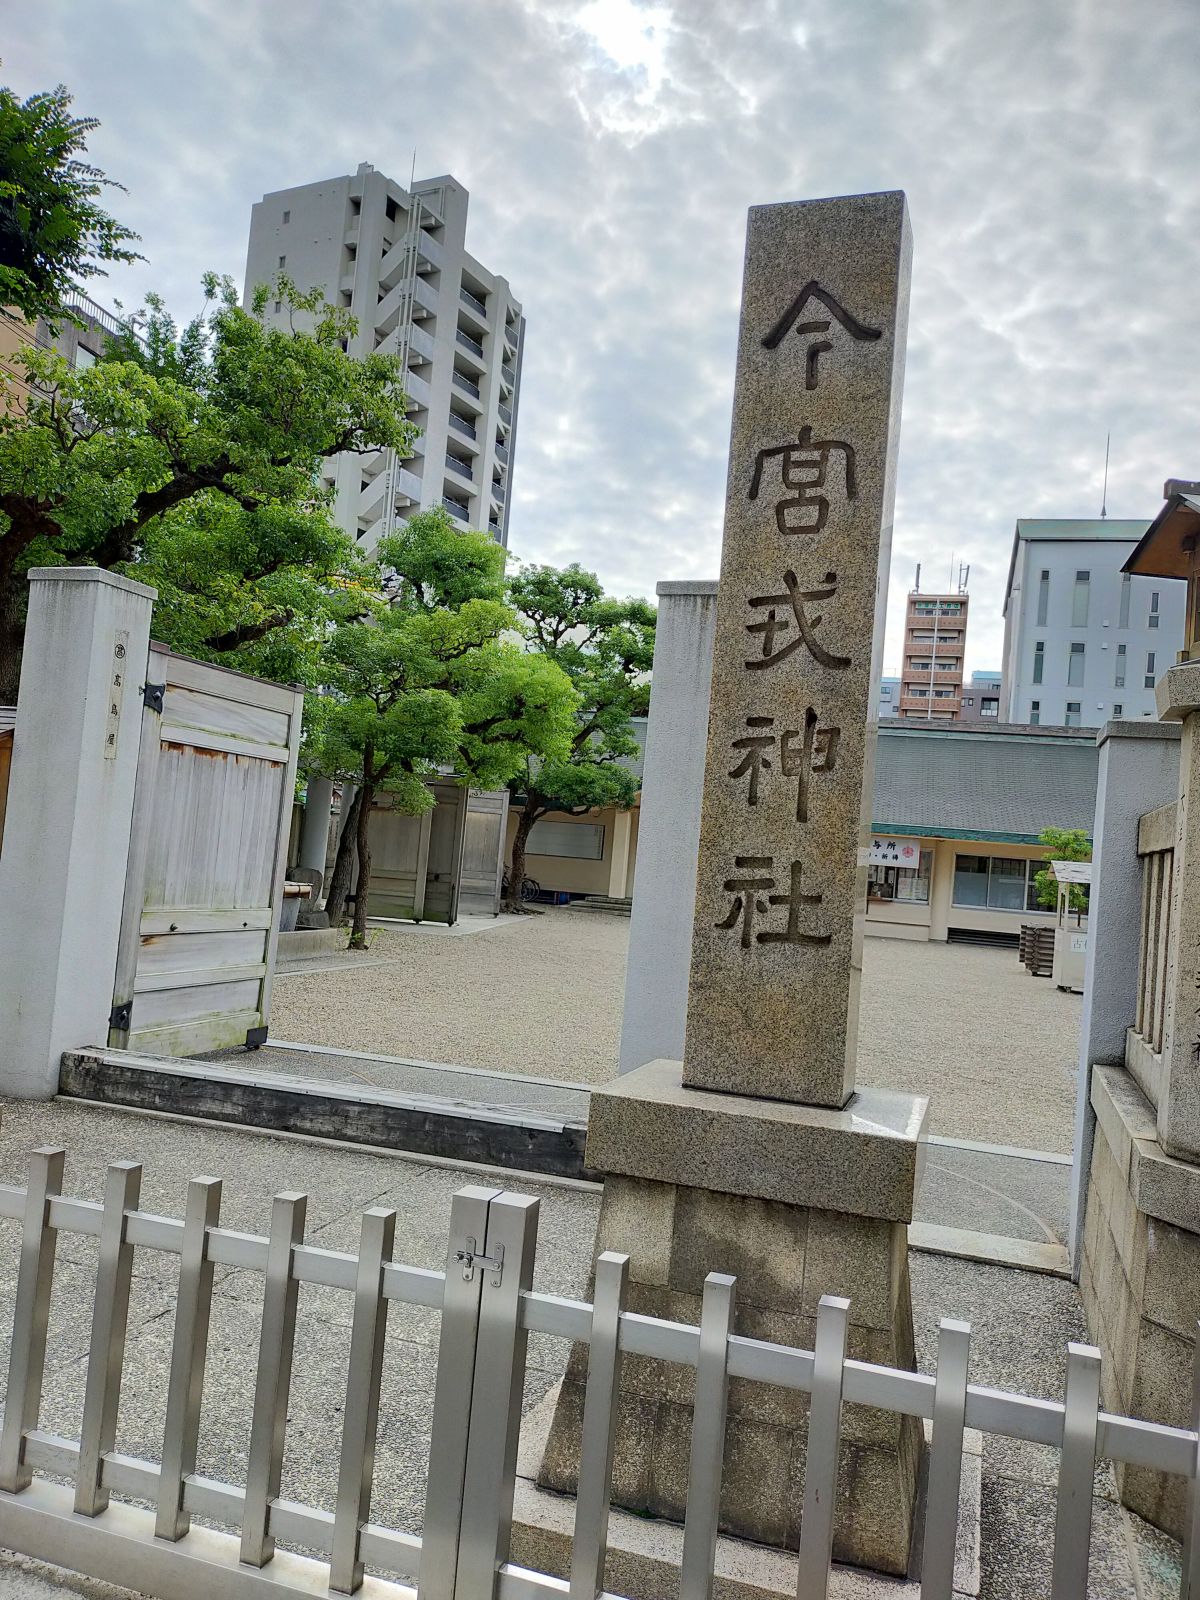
(611, 874)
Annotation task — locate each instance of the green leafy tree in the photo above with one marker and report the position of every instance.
(53, 233)
(193, 460)
(1062, 844)
(606, 648)
(427, 683)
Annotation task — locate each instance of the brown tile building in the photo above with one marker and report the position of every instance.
(931, 674)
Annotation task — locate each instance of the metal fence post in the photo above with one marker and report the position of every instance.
(1189, 1588)
(824, 1440)
(110, 1317)
(265, 1465)
(452, 1392)
(1076, 1471)
(361, 1415)
(496, 1396)
(27, 1353)
(708, 1439)
(189, 1347)
(599, 1427)
(945, 1460)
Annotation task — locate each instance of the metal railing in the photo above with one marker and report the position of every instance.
(475, 303)
(505, 416)
(456, 508)
(509, 375)
(488, 1308)
(502, 454)
(510, 333)
(464, 383)
(456, 464)
(462, 425)
(468, 343)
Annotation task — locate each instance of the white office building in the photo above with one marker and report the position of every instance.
(1084, 641)
(398, 259)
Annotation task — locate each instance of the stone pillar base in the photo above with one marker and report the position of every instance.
(1140, 1279)
(796, 1202)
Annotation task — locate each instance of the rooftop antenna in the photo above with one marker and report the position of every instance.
(412, 177)
(1104, 492)
(917, 580)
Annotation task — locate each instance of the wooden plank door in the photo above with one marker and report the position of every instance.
(216, 775)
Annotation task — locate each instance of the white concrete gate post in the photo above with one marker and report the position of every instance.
(70, 805)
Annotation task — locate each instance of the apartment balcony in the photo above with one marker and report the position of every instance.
(466, 342)
(461, 425)
(457, 508)
(509, 375)
(421, 342)
(418, 391)
(428, 249)
(497, 491)
(505, 414)
(392, 308)
(501, 453)
(463, 468)
(921, 705)
(425, 297)
(461, 381)
(474, 303)
(408, 487)
(510, 336)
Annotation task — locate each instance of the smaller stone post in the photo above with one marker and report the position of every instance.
(70, 807)
(660, 930)
(1178, 697)
(314, 831)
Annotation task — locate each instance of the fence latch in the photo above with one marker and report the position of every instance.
(470, 1256)
(120, 1017)
(152, 696)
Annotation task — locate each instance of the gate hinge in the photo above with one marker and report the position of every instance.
(120, 1017)
(470, 1256)
(152, 696)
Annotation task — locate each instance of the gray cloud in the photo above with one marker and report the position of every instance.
(1048, 151)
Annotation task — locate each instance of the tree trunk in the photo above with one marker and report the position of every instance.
(516, 870)
(12, 635)
(358, 932)
(343, 863)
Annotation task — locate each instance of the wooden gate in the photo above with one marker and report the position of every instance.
(216, 773)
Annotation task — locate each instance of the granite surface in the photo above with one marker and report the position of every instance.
(777, 938)
(865, 1158)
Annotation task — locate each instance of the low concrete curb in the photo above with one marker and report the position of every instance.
(418, 1124)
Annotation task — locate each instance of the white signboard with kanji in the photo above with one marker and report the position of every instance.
(894, 853)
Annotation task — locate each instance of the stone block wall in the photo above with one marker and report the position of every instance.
(1140, 1279)
(785, 1258)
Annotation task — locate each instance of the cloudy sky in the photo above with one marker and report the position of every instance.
(1048, 149)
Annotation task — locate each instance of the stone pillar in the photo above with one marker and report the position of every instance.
(618, 866)
(70, 806)
(746, 1157)
(1138, 771)
(660, 929)
(1178, 697)
(314, 832)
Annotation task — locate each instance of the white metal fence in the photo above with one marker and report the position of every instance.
(488, 1309)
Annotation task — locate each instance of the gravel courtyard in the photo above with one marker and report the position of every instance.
(542, 995)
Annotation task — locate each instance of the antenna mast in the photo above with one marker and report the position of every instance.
(1104, 492)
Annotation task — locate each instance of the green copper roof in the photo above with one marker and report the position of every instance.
(1080, 528)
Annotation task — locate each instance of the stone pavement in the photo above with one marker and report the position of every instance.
(1022, 1323)
(992, 1047)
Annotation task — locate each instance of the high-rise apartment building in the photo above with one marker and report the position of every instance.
(935, 638)
(397, 258)
(1084, 641)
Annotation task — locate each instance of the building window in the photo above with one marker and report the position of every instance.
(989, 708)
(282, 262)
(995, 883)
(583, 841)
(278, 306)
(84, 358)
(1075, 666)
(909, 885)
(1072, 717)
(1149, 680)
(1039, 660)
(1043, 599)
(1118, 709)
(1126, 581)
(287, 217)
(1035, 713)
(1119, 675)
(1079, 599)
(1152, 619)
